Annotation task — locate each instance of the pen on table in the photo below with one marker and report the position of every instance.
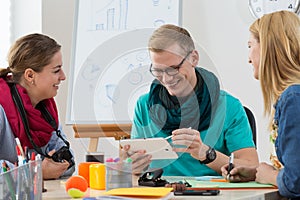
(230, 165)
(218, 180)
(172, 135)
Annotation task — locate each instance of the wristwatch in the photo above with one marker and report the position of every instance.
(210, 156)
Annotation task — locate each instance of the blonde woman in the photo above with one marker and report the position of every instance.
(274, 52)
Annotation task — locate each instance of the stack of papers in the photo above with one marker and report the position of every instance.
(218, 182)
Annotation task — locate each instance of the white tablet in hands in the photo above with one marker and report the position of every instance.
(159, 148)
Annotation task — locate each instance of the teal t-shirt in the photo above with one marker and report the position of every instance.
(228, 131)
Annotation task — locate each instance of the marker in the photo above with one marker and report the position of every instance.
(230, 165)
(20, 147)
(109, 160)
(26, 154)
(20, 158)
(32, 157)
(166, 138)
(4, 166)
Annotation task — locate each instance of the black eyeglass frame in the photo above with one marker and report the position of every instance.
(174, 68)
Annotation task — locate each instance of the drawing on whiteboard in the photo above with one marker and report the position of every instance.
(110, 45)
(96, 88)
(115, 15)
(107, 86)
(91, 71)
(123, 66)
(109, 15)
(110, 89)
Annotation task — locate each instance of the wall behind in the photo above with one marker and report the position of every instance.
(17, 18)
(220, 27)
(57, 22)
(25, 17)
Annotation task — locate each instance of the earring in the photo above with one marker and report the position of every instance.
(32, 82)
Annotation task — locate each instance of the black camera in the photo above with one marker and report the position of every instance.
(63, 154)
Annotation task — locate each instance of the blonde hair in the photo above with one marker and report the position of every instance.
(33, 51)
(168, 35)
(279, 36)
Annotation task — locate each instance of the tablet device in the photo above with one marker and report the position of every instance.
(159, 148)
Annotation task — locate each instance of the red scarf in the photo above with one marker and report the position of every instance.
(40, 129)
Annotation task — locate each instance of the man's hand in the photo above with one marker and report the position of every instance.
(140, 160)
(189, 138)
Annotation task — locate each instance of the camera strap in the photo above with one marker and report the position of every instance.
(17, 100)
(48, 117)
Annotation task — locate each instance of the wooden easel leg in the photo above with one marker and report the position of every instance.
(93, 145)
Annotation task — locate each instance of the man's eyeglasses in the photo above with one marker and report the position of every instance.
(171, 70)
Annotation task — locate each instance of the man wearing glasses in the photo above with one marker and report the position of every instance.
(185, 101)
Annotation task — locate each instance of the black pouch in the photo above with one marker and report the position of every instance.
(152, 178)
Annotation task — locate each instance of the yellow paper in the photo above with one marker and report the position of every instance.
(140, 191)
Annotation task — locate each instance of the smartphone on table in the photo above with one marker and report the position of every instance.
(197, 192)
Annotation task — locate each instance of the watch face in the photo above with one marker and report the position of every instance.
(211, 155)
(260, 7)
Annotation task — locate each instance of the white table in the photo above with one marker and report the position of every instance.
(56, 190)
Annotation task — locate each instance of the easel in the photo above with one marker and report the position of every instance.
(94, 131)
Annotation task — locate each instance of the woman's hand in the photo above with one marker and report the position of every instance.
(266, 174)
(239, 173)
(52, 169)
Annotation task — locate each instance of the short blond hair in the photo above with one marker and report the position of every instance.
(168, 35)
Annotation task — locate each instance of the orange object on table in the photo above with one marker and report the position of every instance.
(218, 180)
